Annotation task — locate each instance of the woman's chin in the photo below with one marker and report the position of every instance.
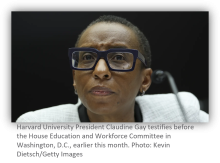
(101, 108)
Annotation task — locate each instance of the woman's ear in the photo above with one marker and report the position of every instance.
(146, 79)
(74, 83)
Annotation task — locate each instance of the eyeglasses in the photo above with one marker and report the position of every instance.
(117, 59)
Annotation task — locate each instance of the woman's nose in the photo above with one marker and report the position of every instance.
(101, 70)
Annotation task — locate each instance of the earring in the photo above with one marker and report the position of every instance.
(143, 93)
(75, 92)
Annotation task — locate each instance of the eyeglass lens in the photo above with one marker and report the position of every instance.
(116, 60)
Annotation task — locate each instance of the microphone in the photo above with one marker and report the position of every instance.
(158, 77)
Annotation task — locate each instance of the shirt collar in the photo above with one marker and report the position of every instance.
(83, 116)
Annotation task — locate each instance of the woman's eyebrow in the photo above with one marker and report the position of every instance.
(118, 46)
(110, 47)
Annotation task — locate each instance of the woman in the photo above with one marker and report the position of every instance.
(111, 66)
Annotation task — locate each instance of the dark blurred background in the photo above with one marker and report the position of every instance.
(41, 75)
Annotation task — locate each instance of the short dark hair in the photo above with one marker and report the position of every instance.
(143, 42)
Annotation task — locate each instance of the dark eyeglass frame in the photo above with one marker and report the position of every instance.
(103, 54)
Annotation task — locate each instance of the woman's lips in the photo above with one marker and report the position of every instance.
(101, 91)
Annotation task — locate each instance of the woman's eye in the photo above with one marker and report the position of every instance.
(118, 57)
(88, 57)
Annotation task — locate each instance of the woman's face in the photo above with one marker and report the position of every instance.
(105, 92)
